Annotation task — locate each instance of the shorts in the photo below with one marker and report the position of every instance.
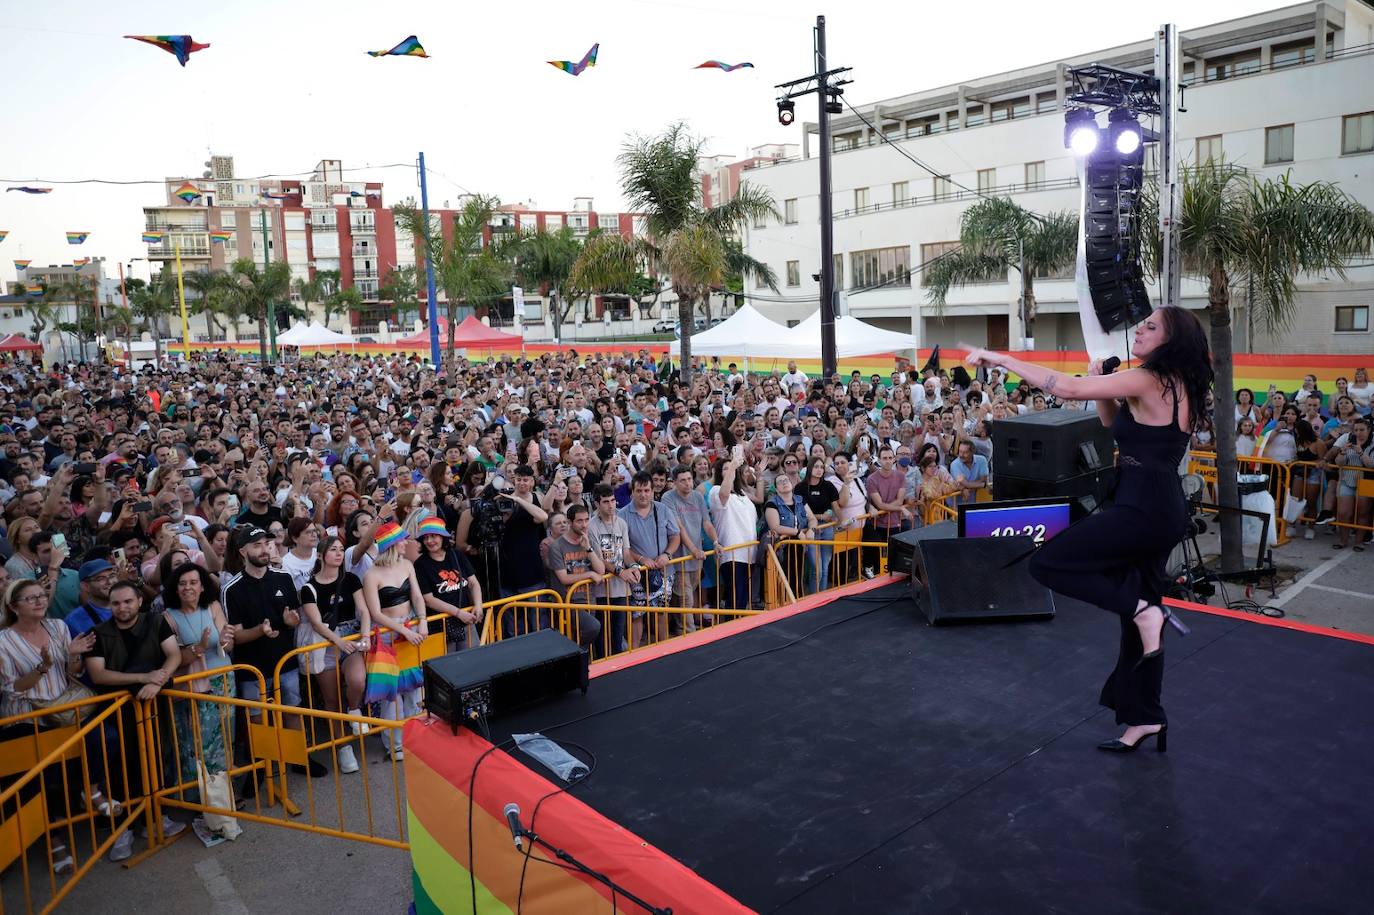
(343, 631)
(1313, 475)
(1350, 484)
(290, 689)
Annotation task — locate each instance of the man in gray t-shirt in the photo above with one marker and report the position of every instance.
(694, 526)
(610, 536)
(653, 539)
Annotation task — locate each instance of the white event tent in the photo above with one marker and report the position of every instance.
(852, 338)
(745, 333)
(313, 334)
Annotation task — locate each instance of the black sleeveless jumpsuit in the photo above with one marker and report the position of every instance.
(1119, 556)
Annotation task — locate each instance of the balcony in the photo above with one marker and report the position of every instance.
(364, 250)
(360, 227)
(322, 225)
(364, 275)
(168, 252)
(162, 225)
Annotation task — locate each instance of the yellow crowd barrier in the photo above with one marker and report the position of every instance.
(1346, 491)
(1278, 485)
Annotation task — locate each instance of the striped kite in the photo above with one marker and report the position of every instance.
(29, 190)
(187, 192)
(33, 288)
(183, 46)
(220, 236)
(4, 235)
(22, 265)
(410, 47)
(717, 65)
(588, 60)
(77, 238)
(80, 261)
(153, 238)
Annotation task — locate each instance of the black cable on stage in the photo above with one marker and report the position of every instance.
(591, 767)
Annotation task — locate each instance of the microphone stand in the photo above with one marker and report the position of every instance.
(562, 855)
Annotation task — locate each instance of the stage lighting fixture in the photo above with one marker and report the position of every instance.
(833, 105)
(786, 114)
(1124, 131)
(1080, 131)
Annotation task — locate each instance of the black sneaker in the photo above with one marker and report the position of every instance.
(1326, 516)
(313, 769)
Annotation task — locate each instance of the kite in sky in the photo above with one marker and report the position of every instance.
(76, 238)
(588, 60)
(715, 64)
(183, 46)
(411, 47)
(29, 190)
(187, 192)
(80, 261)
(220, 236)
(22, 265)
(4, 235)
(153, 238)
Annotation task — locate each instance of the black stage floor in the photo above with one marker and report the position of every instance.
(886, 766)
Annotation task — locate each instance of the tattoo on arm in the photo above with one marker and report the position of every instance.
(1051, 382)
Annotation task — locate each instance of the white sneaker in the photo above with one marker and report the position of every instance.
(397, 754)
(170, 827)
(123, 848)
(868, 572)
(348, 763)
(359, 727)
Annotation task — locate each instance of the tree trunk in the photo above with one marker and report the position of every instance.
(452, 323)
(1223, 395)
(1028, 309)
(685, 317)
(557, 318)
(262, 339)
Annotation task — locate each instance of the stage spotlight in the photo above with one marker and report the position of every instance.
(1080, 131)
(1124, 130)
(786, 114)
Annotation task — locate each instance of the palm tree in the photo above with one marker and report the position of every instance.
(997, 235)
(211, 292)
(469, 270)
(659, 178)
(544, 261)
(123, 322)
(1244, 230)
(256, 289)
(342, 302)
(402, 290)
(153, 302)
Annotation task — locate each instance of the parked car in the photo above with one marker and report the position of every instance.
(665, 327)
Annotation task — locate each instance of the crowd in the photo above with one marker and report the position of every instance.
(170, 522)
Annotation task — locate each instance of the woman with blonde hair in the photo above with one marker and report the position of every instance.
(395, 606)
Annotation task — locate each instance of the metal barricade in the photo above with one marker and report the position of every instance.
(1278, 485)
(1345, 491)
(798, 564)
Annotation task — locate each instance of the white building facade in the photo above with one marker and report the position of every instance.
(1287, 91)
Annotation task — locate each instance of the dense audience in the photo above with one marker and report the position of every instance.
(169, 522)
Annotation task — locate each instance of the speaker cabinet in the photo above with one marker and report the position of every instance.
(965, 579)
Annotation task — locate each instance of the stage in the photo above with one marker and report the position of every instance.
(851, 758)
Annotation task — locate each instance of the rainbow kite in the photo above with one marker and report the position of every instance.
(4, 235)
(29, 190)
(153, 238)
(717, 65)
(22, 265)
(410, 47)
(33, 288)
(77, 238)
(80, 261)
(183, 46)
(219, 237)
(187, 192)
(588, 60)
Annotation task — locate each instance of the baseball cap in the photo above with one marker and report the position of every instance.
(249, 533)
(93, 567)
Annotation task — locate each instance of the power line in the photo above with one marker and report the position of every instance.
(121, 183)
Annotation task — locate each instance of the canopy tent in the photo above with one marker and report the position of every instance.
(470, 334)
(18, 343)
(313, 334)
(745, 333)
(852, 338)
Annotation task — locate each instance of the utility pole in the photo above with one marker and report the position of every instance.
(271, 306)
(828, 94)
(433, 306)
(1167, 70)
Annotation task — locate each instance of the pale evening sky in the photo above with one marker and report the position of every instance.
(284, 85)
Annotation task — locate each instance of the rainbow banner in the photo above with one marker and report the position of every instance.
(438, 770)
(153, 238)
(187, 193)
(80, 261)
(77, 238)
(22, 265)
(220, 236)
(33, 288)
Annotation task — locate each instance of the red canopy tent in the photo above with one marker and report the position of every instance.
(470, 334)
(18, 343)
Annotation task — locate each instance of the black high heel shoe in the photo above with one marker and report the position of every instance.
(1169, 619)
(1117, 746)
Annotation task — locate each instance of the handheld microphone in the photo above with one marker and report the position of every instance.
(1111, 364)
(512, 812)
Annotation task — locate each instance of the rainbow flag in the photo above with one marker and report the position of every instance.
(187, 192)
(153, 238)
(33, 288)
(77, 238)
(220, 236)
(80, 261)
(383, 674)
(410, 47)
(179, 46)
(21, 265)
(4, 235)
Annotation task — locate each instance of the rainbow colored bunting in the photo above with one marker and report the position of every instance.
(33, 288)
(717, 65)
(410, 47)
(588, 60)
(25, 189)
(181, 46)
(80, 261)
(187, 192)
(153, 238)
(77, 238)
(220, 236)
(4, 235)
(22, 265)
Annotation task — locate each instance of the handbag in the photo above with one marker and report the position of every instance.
(215, 791)
(383, 673)
(1293, 509)
(75, 692)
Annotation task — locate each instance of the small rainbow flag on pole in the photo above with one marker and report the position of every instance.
(153, 238)
(33, 288)
(80, 261)
(22, 265)
(77, 238)
(220, 236)
(187, 192)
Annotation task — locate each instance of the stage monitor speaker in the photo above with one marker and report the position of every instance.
(492, 680)
(902, 546)
(964, 579)
(1049, 446)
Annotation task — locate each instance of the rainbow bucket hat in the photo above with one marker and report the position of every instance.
(432, 525)
(388, 535)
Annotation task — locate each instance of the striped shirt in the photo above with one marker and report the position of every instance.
(18, 658)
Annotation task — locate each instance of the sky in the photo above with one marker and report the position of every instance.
(284, 85)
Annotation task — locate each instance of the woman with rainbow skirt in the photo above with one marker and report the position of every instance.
(396, 608)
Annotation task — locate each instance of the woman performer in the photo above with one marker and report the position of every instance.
(1116, 559)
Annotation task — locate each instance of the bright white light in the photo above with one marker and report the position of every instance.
(1127, 142)
(1083, 140)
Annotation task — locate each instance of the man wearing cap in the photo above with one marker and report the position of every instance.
(96, 576)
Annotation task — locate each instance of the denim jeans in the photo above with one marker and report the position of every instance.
(733, 585)
(818, 567)
(617, 624)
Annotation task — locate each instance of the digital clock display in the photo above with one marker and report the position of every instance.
(1039, 520)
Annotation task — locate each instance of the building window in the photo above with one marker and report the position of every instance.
(976, 116)
(1209, 149)
(943, 187)
(860, 199)
(1291, 55)
(837, 265)
(1240, 64)
(789, 211)
(880, 267)
(901, 193)
(794, 273)
(1352, 319)
(760, 282)
(1046, 102)
(1278, 144)
(987, 180)
(1035, 174)
(935, 250)
(1357, 133)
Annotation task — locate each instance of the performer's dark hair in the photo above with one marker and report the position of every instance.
(1184, 358)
